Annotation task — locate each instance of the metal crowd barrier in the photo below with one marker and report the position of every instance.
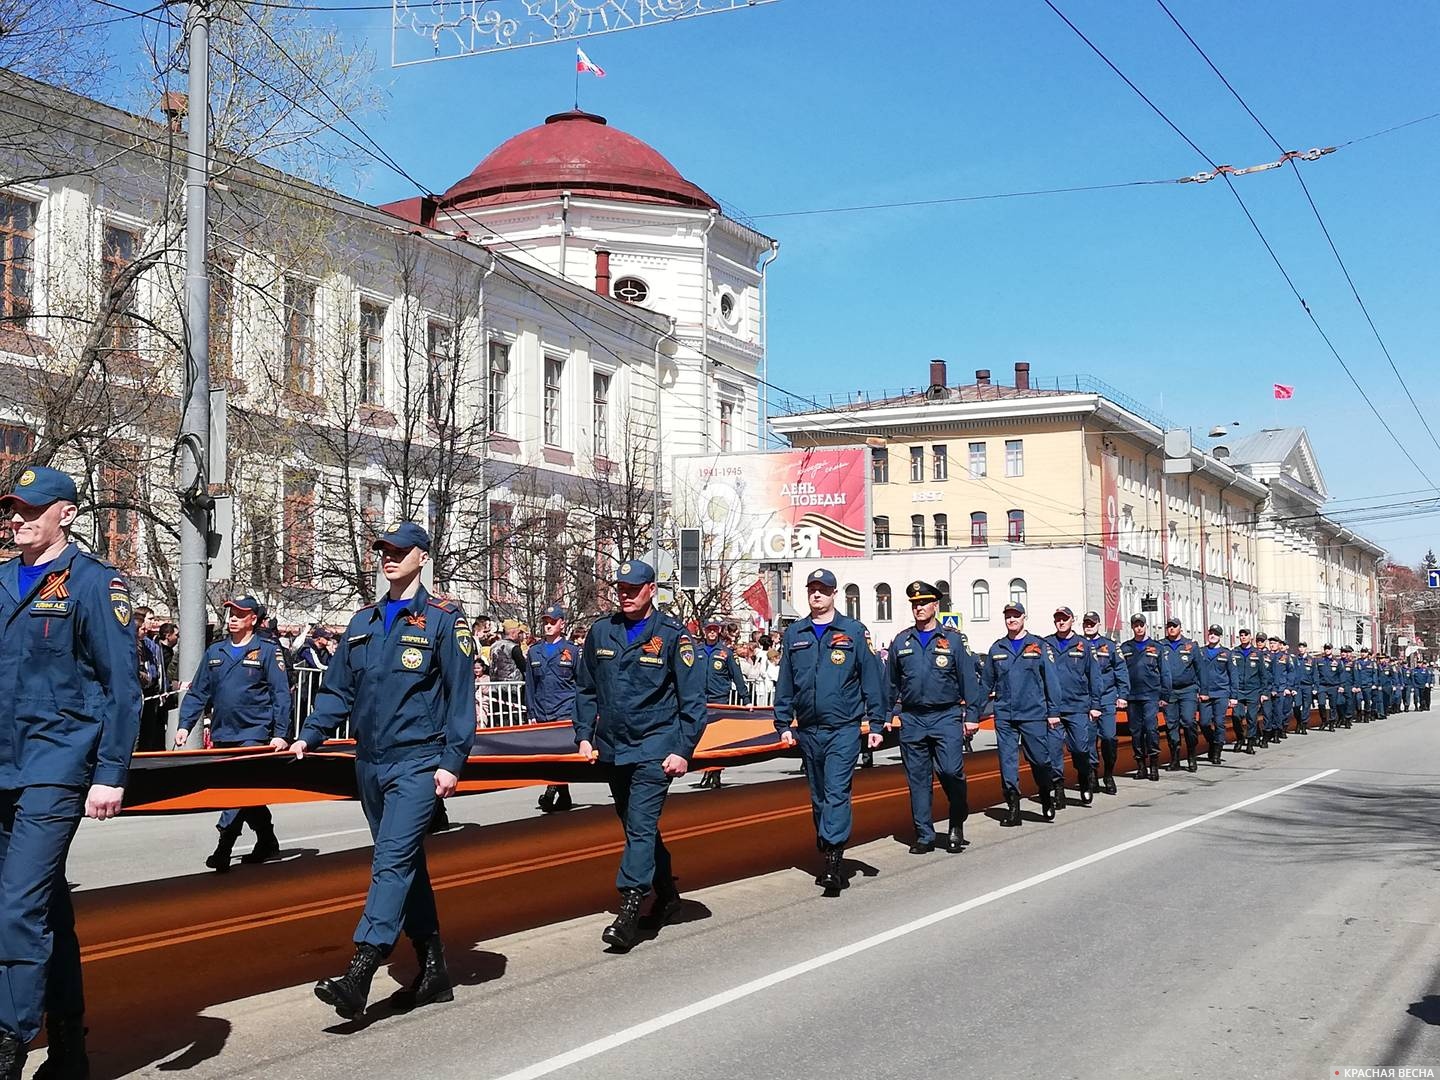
(497, 704)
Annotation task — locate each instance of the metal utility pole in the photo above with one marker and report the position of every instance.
(195, 501)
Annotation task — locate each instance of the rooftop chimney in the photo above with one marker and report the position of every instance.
(982, 377)
(174, 105)
(937, 373)
(1022, 376)
(602, 272)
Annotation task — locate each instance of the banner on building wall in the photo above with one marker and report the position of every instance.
(778, 506)
(1110, 540)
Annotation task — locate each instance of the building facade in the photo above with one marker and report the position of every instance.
(513, 362)
(1046, 496)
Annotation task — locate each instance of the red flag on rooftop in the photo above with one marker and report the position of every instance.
(1283, 392)
(758, 597)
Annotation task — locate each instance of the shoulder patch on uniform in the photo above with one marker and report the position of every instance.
(465, 640)
(687, 652)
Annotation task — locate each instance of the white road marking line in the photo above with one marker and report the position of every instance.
(754, 986)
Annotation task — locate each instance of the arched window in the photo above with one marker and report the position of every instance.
(943, 588)
(979, 529)
(882, 603)
(1018, 591)
(630, 290)
(980, 600)
(1015, 526)
(917, 530)
(942, 530)
(852, 601)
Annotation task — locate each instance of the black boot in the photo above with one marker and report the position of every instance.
(1012, 816)
(1155, 767)
(1142, 768)
(1264, 739)
(922, 847)
(831, 878)
(347, 993)
(66, 1058)
(667, 902)
(12, 1056)
(1108, 755)
(1086, 783)
(433, 983)
(1047, 803)
(266, 848)
(1239, 747)
(867, 759)
(1190, 763)
(546, 803)
(622, 934)
(219, 859)
(439, 818)
(1249, 746)
(955, 841)
(1059, 794)
(1174, 764)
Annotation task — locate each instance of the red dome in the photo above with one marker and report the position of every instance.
(576, 152)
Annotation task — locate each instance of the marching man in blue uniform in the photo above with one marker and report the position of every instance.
(1303, 672)
(1023, 684)
(932, 683)
(1184, 687)
(242, 681)
(1329, 682)
(550, 688)
(831, 687)
(639, 711)
(404, 676)
(1115, 683)
(71, 714)
(1214, 690)
(1082, 691)
(1349, 688)
(722, 675)
(1149, 665)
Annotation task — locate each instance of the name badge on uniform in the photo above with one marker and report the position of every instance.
(54, 609)
(605, 653)
(1030, 650)
(415, 639)
(216, 661)
(654, 661)
(905, 652)
(252, 658)
(800, 643)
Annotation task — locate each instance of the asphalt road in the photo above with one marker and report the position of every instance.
(1273, 917)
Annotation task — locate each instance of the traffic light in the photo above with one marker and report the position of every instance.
(1359, 632)
(689, 558)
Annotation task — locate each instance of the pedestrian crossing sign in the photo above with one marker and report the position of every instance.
(951, 620)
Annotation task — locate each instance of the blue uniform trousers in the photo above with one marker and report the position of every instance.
(639, 791)
(1381, 711)
(829, 754)
(1077, 731)
(1328, 698)
(39, 953)
(1305, 702)
(1212, 719)
(1246, 719)
(1143, 715)
(928, 748)
(1031, 736)
(1105, 725)
(1180, 715)
(257, 817)
(398, 799)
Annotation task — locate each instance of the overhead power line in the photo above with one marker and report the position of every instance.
(1264, 240)
(1354, 291)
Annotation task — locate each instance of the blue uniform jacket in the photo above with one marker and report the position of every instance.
(1081, 683)
(1114, 672)
(1149, 663)
(1215, 673)
(722, 671)
(1305, 671)
(931, 682)
(1249, 672)
(1347, 675)
(1284, 670)
(248, 695)
(1184, 658)
(829, 681)
(1023, 683)
(409, 694)
(550, 681)
(1329, 672)
(642, 700)
(69, 685)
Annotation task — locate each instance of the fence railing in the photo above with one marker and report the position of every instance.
(497, 704)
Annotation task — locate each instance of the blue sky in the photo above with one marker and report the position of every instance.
(1163, 291)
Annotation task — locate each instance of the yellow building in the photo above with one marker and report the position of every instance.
(1049, 495)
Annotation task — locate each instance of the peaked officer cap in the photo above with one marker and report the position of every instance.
(921, 592)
